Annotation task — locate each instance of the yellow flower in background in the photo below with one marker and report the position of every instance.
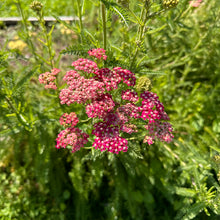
(16, 43)
(65, 30)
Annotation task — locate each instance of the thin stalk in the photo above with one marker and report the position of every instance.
(48, 44)
(48, 41)
(140, 36)
(104, 26)
(26, 29)
(79, 8)
(143, 17)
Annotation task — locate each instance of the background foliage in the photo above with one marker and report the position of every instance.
(180, 53)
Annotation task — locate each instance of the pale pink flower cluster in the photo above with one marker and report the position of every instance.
(129, 128)
(98, 53)
(69, 119)
(73, 137)
(195, 3)
(49, 78)
(80, 89)
(112, 116)
(85, 65)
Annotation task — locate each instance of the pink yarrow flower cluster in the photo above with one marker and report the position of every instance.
(116, 109)
(98, 53)
(110, 78)
(80, 89)
(49, 78)
(107, 138)
(69, 119)
(71, 136)
(85, 65)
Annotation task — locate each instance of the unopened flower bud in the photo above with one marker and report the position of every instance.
(170, 3)
(36, 6)
(143, 84)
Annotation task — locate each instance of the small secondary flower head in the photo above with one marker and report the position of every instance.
(69, 119)
(99, 53)
(73, 137)
(49, 78)
(85, 65)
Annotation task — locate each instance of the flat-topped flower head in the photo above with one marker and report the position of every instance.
(55, 71)
(100, 107)
(110, 78)
(111, 144)
(127, 76)
(71, 76)
(160, 130)
(99, 53)
(73, 137)
(129, 95)
(151, 108)
(49, 78)
(80, 89)
(69, 119)
(107, 138)
(85, 65)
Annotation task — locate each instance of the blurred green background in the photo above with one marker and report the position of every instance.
(162, 181)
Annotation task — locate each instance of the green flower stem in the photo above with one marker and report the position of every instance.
(83, 121)
(104, 26)
(143, 17)
(29, 41)
(48, 40)
(87, 148)
(79, 6)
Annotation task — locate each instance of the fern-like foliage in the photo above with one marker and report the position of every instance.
(79, 50)
(117, 10)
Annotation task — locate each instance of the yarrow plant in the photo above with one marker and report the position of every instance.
(114, 107)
